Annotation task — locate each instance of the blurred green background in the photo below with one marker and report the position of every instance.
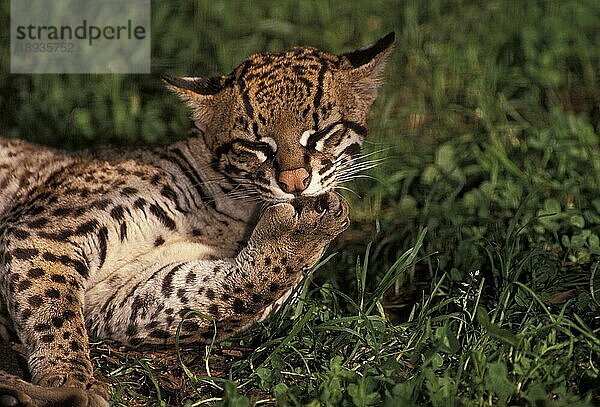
(488, 124)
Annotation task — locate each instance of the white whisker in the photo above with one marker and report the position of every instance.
(348, 189)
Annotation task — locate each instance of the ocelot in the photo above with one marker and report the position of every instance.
(122, 244)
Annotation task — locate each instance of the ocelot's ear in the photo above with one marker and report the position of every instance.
(363, 68)
(204, 96)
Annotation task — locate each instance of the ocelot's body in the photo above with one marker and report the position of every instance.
(123, 245)
(113, 225)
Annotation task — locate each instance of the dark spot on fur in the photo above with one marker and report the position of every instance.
(210, 294)
(225, 297)
(276, 269)
(123, 231)
(102, 243)
(191, 277)
(274, 287)
(101, 204)
(35, 301)
(52, 293)
(131, 331)
(86, 228)
(136, 305)
(58, 321)
(47, 338)
(24, 254)
(41, 327)
(239, 306)
(162, 216)
(35, 272)
(38, 223)
(56, 236)
(160, 334)
(49, 257)
(128, 191)
(159, 240)
(26, 314)
(20, 234)
(139, 203)
(213, 310)
(151, 325)
(190, 326)
(136, 341)
(256, 298)
(181, 295)
(24, 285)
(167, 287)
(68, 315)
(66, 335)
(168, 193)
(57, 278)
(267, 261)
(78, 265)
(155, 179)
(62, 211)
(117, 213)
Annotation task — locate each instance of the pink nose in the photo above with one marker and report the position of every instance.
(293, 181)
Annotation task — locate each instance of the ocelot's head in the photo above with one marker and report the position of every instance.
(291, 123)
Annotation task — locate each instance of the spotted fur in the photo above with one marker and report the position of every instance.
(123, 245)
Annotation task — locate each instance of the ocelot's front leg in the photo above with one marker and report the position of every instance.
(288, 239)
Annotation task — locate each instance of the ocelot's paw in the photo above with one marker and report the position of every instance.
(321, 217)
(78, 381)
(304, 224)
(58, 380)
(15, 392)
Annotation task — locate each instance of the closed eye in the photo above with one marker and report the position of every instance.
(260, 150)
(270, 142)
(315, 140)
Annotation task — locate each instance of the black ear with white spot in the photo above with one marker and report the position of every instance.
(364, 67)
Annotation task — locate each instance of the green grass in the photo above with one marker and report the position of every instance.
(471, 274)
